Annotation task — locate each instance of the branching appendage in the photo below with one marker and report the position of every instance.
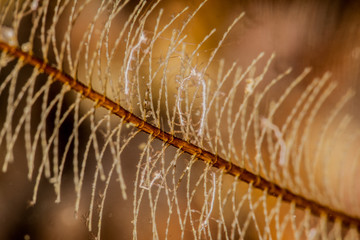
(266, 123)
(206, 221)
(149, 178)
(199, 80)
(214, 160)
(142, 39)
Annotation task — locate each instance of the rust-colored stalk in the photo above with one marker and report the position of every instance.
(214, 160)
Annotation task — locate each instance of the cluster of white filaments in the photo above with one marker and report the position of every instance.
(267, 124)
(8, 35)
(131, 58)
(197, 79)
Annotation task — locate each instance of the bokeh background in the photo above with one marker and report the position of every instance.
(322, 35)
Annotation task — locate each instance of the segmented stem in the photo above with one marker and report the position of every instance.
(214, 160)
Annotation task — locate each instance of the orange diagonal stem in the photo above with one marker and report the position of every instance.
(214, 160)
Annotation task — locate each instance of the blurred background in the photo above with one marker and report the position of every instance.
(322, 35)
